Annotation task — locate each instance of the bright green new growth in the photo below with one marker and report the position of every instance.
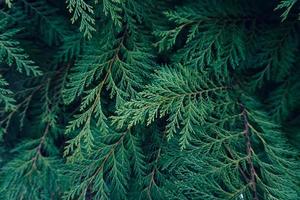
(127, 99)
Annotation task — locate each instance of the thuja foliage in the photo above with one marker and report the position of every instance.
(130, 99)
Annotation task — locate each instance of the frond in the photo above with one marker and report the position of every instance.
(184, 95)
(275, 56)
(49, 26)
(110, 65)
(286, 5)
(213, 36)
(227, 159)
(84, 13)
(9, 3)
(13, 54)
(71, 47)
(6, 96)
(284, 99)
(149, 100)
(28, 175)
(104, 174)
(113, 8)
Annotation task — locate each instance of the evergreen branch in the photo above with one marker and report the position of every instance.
(274, 56)
(114, 9)
(108, 164)
(71, 48)
(287, 5)
(38, 150)
(249, 151)
(202, 112)
(5, 122)
(9, 3)
(13, 54)
(38, 19)
(100, 168)
(152, 175)
(30, 168)
(83, 12)
(85, 118)
(6, 96)
(284, 99)
(158, 98)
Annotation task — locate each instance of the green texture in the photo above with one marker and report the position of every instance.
(149, 99)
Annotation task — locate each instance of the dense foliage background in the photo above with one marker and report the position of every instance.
(149, 99)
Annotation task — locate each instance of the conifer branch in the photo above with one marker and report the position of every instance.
(89, 108)
(101, 166)
(249, 151)
(149, 100)
(39, 147)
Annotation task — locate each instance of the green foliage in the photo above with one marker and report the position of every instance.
(84, 13)
(287, 5)
(185, 100)
(284, 99)
(211, 38)
(225, 160)
(114, 9)
(121, 69)
(6, 96)
(71, 47)
(277, 56)
(50, 27)
(8, 3)
(12, 53)
(106, 171)
(126, 99)
(29, 173)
